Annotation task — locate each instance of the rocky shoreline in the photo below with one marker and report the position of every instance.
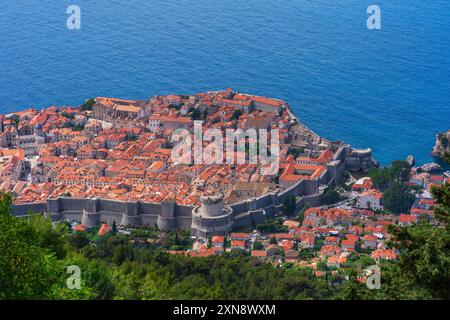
(442, 145)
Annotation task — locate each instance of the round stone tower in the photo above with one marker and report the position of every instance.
(211, 206)
(212, 217)
(90, 219)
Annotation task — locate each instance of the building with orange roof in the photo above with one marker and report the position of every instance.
(384, 254)
(293, 173)
(238, 244)
(259, 254)
(168, 123)
(330, 250)
(363, 184)
(79, 227)
(110, 109)
(104, 229)
(348, 245)
(307, 240)
(407, 220)
(331, 241)
(244, 106)
(218, 241)
(268, 104)
(370, 241)
(12, 164)
(324, 157)
(371, 199)
(239, 236)
(335, 261)
(291, 224)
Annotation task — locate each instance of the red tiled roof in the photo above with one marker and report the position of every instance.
(259, 253)
(239, 235)
(103, 229)
(218, 239)
(369, 237)
(237, 243)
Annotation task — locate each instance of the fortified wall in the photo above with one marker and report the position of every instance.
(212, 217)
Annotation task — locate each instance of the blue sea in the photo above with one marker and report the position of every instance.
(386, 89)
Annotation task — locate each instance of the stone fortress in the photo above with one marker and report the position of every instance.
(212, 216)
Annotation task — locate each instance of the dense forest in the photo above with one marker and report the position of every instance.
(34, 256)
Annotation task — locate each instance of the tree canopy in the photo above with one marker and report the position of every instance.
(398, 198)
(383, 177)
(35, 254)
(29, 265)
(330, 196)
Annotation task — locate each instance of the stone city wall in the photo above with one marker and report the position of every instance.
(167, 215)
(172, 216)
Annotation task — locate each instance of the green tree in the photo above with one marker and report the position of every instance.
(70, 116)
(383, 177)
(196, 114)
(257, 246)
(442, 210)
(114, 227)
(296, 151)
(301, 215)
(330, 196)
(236, 114)
(88, 104)
(78, 240)
(447, 157)
(352, 289)
(29, 269)
(78, 127)
(398, 198)
(289, 205)
(400, 170)
(68, 124)
(380, 177)
(424, 265)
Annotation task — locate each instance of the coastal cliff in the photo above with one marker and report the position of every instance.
(442, 147)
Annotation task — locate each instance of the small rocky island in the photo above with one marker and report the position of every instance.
(442, 147)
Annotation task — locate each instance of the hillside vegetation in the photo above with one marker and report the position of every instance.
(35, 256)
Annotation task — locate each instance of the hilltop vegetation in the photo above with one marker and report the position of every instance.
(35, 256)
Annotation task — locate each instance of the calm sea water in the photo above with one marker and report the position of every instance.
(386, 89)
